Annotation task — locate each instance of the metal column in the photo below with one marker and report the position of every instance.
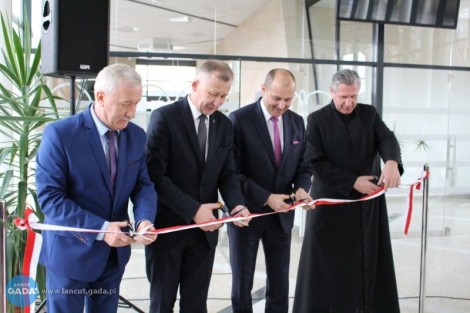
(424, 237)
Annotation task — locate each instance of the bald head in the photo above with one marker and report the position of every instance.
(282, 76)
(278, 91)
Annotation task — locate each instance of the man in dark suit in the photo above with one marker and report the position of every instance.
(190, 157)
(76, 189)
(270, 152)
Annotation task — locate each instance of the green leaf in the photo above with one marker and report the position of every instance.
(22, 118)
(26, 118)
(5, 183)
(422, 145)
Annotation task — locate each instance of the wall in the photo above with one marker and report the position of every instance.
(275, 30)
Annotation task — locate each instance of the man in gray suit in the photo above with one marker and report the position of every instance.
(270, 151)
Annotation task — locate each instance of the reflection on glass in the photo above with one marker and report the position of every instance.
(361, 9)
(432, 13)
(401, 11)
(379, 10)
(346, 8)
(451, 13)
(427, 12)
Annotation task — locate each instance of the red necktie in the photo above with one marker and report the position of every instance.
(111, 136)
(277, 141)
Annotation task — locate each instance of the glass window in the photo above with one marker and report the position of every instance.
(355, 37)
(322, 21)
(430, 117)
(430, 46)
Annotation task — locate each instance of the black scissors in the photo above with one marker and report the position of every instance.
(291, 200)
(226, 212)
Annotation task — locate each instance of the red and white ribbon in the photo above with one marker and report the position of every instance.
(409, 201)
(33, 223)
(34, 240)
(32, 248)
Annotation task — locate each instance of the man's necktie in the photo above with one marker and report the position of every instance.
(111, 136)
(202, 136)
(277, 141)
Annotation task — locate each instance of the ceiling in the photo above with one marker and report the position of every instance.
(180, 26)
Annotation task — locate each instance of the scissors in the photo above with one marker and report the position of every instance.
(133, 233)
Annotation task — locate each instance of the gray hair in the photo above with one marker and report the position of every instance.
(224, 72)
(345, 77)
(111, 76)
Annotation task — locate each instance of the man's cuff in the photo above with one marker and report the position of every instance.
(103, 228)
(138, 223)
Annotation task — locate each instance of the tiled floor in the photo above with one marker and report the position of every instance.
(447, 279)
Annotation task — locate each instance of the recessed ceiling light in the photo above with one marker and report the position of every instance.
(177, 48)
(182, 19)
(127, 29)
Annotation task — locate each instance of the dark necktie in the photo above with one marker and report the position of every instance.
(277, 141)
(202, 136)
(111, 136)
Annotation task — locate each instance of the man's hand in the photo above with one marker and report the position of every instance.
(390, 177)
(240, 211)
(145, 239)
(117, 238)
(366, 185)
(276, 202)
(302, 196)
(205, 214)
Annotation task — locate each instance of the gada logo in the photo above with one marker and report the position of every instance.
(22, 291)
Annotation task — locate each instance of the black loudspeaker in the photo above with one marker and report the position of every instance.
(74, 37)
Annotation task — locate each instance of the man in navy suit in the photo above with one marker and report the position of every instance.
(190, 158)
(270, 152)
(75, 189)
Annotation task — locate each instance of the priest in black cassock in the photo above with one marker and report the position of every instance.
(346, 262)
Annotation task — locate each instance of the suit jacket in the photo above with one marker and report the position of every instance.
(74, 189)
(255, 158)
(182, 180)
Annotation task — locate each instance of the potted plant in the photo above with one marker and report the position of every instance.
(422, 145)
(25, 107)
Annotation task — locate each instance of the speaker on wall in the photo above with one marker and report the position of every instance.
(74, 37)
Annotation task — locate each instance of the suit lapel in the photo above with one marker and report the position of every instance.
(188, 123)
(97, 147)
(260, 125)
(287, 126)
(212, 136)
(122, 160)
